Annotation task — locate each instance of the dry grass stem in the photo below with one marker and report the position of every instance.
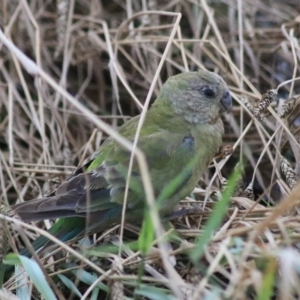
(73, 71)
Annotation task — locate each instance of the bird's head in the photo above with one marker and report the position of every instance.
(198, 96)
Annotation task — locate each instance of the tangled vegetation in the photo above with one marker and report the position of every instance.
(73, 71)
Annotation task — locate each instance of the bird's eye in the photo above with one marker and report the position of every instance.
(208, 92)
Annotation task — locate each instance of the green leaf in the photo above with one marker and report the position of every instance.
(266, 291)
(34, 272)
(99, 251)
(89, 279)
(146, 234)
(95, 294)
(217, 215)
(69, 284)
(153, 293)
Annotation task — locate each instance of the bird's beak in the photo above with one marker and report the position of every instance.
(226, 101)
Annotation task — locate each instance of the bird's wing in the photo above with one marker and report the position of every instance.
(101, 187)
(166, 154)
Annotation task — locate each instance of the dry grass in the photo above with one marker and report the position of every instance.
(95, 63)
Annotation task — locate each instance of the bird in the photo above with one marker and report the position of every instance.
(181, 133)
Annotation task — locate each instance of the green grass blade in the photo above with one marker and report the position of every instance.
(34, 272)
(217, 215)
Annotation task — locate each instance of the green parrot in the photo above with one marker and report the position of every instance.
(181, 133)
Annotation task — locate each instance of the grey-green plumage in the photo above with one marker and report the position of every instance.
(181, 134)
